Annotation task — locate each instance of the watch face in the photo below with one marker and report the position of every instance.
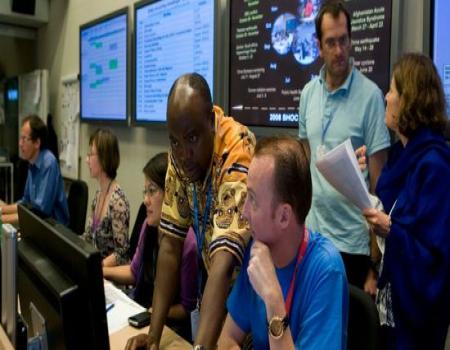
(276, 327)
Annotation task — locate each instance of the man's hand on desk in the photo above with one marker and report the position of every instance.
(140, 341)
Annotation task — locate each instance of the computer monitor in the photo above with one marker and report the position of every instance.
(8, 281)
(60, 285)
(171, 38)
(274, 52)
(104, 68)
(441, 44)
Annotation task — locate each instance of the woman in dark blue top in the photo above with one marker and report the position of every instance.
(414, 282)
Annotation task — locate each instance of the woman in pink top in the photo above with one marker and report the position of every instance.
(142, 270)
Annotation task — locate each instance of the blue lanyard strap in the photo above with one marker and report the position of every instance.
(325, 124)
(200, 235)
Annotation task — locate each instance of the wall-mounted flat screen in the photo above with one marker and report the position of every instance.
(441, 44)
(104, 68)
(274, 53)
(172, 37)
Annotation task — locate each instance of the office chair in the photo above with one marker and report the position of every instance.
(363, 321)
(134, 238)
(77, 201)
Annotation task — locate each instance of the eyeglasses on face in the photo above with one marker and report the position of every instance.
(25, 138)
(150, 191)
(331, 43)
(91, 154)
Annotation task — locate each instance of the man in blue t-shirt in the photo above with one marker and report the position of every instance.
(44, 189)
(292, 289)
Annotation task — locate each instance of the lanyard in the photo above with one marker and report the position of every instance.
(300, 255)
(200, 235)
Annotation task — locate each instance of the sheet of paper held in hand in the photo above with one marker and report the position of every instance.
(124, 307)
(340, 168)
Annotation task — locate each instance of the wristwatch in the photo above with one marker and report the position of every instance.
(277, 326)
(199, 347)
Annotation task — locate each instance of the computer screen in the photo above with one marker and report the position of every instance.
(274, 53)
(104, 68)
(441, 44)
(60, 285)
(171, 38)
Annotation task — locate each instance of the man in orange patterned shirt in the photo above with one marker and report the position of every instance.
(206, 186)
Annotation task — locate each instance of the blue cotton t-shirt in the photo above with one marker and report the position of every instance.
(319, 312)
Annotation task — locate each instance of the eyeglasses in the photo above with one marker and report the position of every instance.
(331, 43)
(25, 138)
(150, 191)
(90, 154)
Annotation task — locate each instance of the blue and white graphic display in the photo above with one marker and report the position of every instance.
(103, 69)
(441, 45)
(173, 37)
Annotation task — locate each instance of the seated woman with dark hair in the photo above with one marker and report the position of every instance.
(414, 283)
(107, 225)
(142, 270)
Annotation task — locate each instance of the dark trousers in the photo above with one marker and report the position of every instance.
(356, 267)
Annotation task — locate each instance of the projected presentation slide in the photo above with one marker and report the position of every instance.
(274, 53)
(441, 45)
(173, 37)
(103, 70)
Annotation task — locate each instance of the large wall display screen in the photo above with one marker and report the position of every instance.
(173, 37)
(103, 68)
(274, 53)
(441, 44)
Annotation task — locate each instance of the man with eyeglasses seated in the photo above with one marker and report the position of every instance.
(44, 188)
(338, 104)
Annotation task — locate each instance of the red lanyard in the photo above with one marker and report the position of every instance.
(300, 255)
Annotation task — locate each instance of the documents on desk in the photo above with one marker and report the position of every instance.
(340, 168)
(124, 307)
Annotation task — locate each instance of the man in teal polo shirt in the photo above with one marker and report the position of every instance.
(338, 104)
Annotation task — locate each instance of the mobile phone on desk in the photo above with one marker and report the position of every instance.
(140, 320)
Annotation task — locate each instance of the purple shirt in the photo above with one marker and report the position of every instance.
(188, 273)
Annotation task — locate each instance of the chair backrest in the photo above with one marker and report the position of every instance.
(134, 238)
(363, 321)
(77, 201)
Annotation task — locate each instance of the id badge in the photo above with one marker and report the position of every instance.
(195, 320)
(320, 151)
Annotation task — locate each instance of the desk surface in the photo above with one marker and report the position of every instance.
(169, 339)
(118, 340)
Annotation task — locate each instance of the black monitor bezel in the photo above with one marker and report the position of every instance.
(79, 262)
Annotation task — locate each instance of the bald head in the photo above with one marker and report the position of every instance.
(185, 88)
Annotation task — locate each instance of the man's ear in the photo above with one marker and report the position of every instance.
(284, 214)
(319, 45)
(38, 143)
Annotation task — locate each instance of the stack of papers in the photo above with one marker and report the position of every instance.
(340, 168)
(123, 307)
